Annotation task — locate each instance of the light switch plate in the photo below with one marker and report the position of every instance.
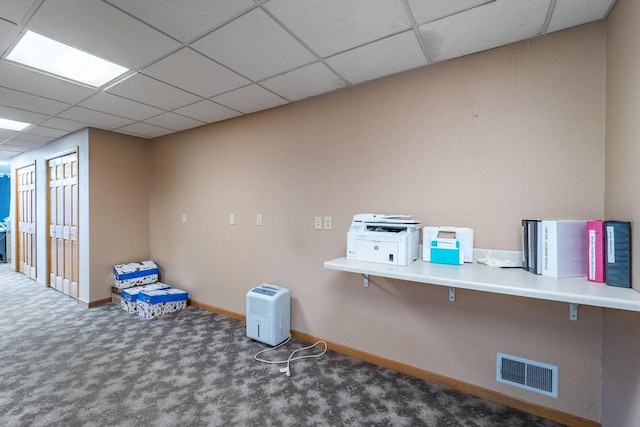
(328, 223)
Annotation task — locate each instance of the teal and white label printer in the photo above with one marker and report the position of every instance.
(447, 245)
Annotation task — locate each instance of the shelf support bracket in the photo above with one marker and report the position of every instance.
(573, 311)
(452, 294)
(366, 280)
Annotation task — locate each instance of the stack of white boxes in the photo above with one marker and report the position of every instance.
(137, 290)
(132, 274)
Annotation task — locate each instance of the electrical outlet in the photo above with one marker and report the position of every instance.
(259, 219)
(184, 218)
(318, 223)
(328, 223)
(232, 219)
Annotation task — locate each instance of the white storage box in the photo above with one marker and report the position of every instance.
(135, 274)
(138, 281)
(129, 296)
(157, 303)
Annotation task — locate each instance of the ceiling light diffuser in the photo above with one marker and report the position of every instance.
(13, 124)
(57, 58)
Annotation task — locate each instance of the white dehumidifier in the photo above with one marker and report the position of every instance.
(269, 314)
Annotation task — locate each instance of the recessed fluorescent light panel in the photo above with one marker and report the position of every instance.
(57, 58)
(13, 124)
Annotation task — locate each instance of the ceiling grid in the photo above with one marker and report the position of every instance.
(204, 61)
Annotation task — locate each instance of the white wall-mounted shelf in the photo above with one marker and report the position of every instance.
(507, 281)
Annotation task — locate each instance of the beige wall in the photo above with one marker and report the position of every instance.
(621, 330)
(623, 124)
(119, 205)
(481, 141)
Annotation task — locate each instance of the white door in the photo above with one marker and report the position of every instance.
(63, 224)
(26, 215)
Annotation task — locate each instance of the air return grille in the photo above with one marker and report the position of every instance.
(528, 374)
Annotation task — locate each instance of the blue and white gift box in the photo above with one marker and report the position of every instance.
(135, 274)
(160, 302)
(129, 296)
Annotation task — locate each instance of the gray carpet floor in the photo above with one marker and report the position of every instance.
(64, 365)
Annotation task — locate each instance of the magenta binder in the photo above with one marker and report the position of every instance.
(596, 258)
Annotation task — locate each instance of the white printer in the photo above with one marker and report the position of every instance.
(387, 239)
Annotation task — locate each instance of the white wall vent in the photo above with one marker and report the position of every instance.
(528, 374)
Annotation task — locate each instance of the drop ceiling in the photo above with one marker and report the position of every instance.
(202, 61)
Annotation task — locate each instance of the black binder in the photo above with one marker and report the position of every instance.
(532, 246)
(525, 244)
(618, 253)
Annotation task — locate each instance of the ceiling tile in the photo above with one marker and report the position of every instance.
(6, 134)
(193, 72)
(153, 92)
(255, 46)
(20, 146)
(25, 101)
(249, 99)
(174, 121)
(333, 26)
(181, 20)
(15, 10)
(96, 118)
(63, 124)
(7, 154)
(25, 80)
(113, 104)
(145, 130)
(49, 132)
(98, 28)
(30, 139)
(427, 11)
(304, 82)
(381, 58)
(207, 111)
(21, 115)
(493, 24)
(8, 33)
(14, 148)
(569, 13)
